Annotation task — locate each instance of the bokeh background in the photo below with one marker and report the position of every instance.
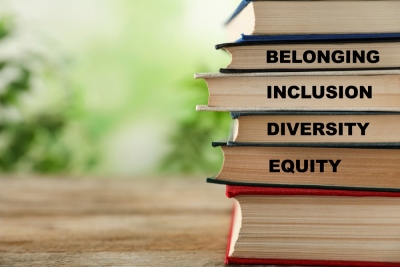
(105, 87)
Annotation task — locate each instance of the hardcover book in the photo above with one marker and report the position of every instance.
(339, 90)
(352, 166)
(317, 127)
(313, 17)
(284, 226)
(313, 52)
(316, 38)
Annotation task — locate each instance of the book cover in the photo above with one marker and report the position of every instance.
(234, 191)
(263, 53)
(313, 17)
(343, 166)
(313, 38)
(308, 91)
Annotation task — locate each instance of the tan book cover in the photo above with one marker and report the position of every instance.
(326, 90)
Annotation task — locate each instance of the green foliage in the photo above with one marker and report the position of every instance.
(31, 140)
(5, 26)
(42, 131)
(191, 150)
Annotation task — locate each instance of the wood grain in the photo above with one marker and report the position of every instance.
(112, 222)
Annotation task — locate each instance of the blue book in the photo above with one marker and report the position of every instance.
(306, 38)
(257, 17)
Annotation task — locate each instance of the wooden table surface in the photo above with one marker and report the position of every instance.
(112, 222)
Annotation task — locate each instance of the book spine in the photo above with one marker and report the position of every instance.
(232, 260)
(233, 191)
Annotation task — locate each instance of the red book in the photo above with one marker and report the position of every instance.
(313, 227)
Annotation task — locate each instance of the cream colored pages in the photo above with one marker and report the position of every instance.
(319, 228)
(351, 91)
(227, 109)
(315, 17)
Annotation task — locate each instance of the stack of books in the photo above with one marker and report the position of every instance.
(313, 160)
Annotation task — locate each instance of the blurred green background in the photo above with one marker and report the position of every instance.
(105, 87)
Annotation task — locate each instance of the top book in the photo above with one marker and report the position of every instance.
(313, 17)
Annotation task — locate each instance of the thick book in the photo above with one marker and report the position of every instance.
(313, 52)
(316, 90)
(293, 226)
(317, 127)
(313, 17)
(345, 166)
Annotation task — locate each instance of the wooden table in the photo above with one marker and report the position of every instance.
(112, 222)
